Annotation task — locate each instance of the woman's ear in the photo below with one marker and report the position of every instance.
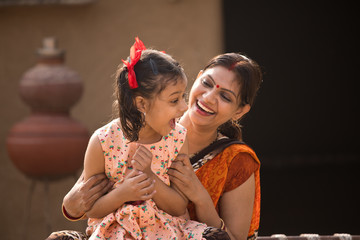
(241, 112)
(140, 103)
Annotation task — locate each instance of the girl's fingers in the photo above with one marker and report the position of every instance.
(148, 192)
(143, 152)
(137, 165)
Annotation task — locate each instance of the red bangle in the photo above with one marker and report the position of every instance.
(70, 218)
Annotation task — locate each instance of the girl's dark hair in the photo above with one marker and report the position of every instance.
(249, 77)
(154, 71)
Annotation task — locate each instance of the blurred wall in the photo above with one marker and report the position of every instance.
(96, 37)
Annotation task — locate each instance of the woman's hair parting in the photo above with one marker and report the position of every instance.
(249, 78)
(145, 73)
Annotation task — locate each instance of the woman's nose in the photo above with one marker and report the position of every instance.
(209, 96)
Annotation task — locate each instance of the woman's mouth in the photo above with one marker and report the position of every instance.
(204, 109)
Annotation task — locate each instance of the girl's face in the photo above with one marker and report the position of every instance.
(214, 98)
(165, 108)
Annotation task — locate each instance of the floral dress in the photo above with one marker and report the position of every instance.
(144, 220)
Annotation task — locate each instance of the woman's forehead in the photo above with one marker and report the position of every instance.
(220, 74)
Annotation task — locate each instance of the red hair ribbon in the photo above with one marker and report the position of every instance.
(135, 54)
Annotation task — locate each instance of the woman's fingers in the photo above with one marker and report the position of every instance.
(101, 187)
(94, 180)
(184, 158)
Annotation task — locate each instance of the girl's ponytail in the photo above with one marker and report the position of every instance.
(131, 118)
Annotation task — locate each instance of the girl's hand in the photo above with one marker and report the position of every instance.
(137, 186)
(84, 194)
(182, 175)
(142, 160)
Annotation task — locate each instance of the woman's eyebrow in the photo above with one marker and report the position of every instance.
(225, 89)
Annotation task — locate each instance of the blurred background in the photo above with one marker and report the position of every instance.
(304, 125)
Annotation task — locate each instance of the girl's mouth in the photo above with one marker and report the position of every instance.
(172, 123)
(203, 108)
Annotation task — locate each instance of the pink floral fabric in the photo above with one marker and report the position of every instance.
(143, 221)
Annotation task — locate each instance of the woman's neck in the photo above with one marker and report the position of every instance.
(198, 137)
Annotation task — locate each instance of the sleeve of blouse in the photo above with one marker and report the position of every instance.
(240, 169)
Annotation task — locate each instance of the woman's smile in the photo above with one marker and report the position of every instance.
(205, 110)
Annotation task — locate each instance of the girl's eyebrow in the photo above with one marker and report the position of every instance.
(174, 93)
(225, 89)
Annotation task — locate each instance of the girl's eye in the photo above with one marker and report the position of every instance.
(206, 83)
(175, 100)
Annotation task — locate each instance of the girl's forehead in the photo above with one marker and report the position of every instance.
(173, 87)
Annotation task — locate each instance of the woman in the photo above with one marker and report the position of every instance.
(224, 190)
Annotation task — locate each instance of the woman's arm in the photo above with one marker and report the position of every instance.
(236, 205)
(167, 198)
(236, 208)
(83, 195)
(133, 187)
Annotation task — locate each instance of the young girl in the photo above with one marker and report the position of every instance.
(136, 150)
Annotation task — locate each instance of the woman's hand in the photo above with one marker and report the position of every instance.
(83, 195)
(182, 174)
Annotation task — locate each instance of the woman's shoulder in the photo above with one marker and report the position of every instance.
(241, 151)
(242, 166)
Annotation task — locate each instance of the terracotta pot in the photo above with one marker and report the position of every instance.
(49, 143)
(50, 146)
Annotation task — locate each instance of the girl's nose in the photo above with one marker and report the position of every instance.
(183, 106)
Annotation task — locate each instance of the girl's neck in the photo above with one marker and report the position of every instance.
(198, 137)
(147, 136)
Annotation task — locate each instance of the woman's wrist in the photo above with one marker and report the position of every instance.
(70, 217)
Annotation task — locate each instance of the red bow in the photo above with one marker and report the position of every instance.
(135, 54)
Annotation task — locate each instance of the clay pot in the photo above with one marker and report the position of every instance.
(47, 146)
(49, 143)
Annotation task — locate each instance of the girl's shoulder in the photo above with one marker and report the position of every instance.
(177, 132)
(110, 129)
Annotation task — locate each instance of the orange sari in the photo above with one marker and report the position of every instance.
(214, 175)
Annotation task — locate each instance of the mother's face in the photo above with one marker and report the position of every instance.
(214, 98)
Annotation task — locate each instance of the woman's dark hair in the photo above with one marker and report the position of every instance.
(249, 77)
(154, 71)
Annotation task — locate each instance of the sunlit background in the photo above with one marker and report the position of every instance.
(304, 125)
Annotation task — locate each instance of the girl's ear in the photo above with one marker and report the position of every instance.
(141, 104)
(241, 112)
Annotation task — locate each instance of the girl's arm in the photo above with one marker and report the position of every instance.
(236, 206)
(132, 188)
(167, 198)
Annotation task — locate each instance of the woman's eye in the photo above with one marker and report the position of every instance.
(225, 97)
(206, 83)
